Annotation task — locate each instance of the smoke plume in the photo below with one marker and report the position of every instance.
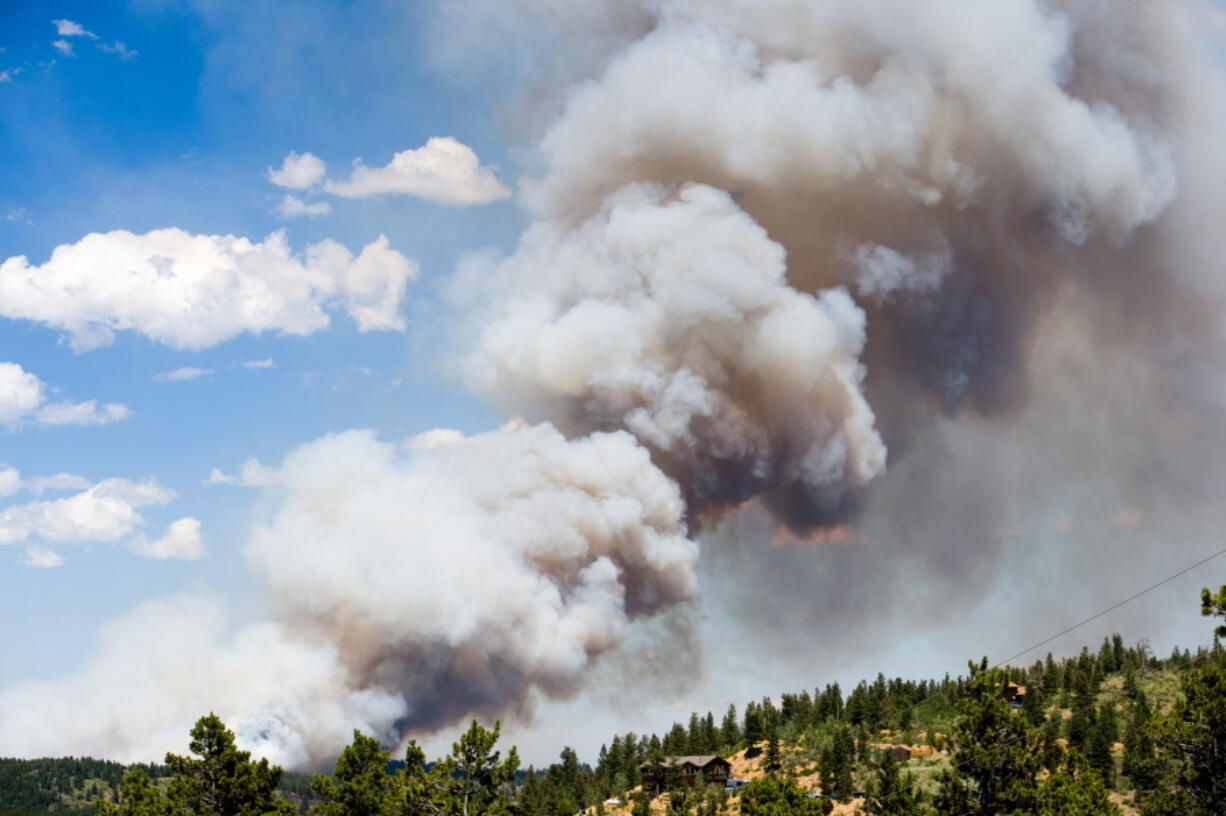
(772, 241)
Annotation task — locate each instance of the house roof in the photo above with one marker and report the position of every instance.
(698, 761)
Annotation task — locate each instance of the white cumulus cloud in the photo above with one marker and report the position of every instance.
(182, 540)
(298, 171)
(106, 512)
(194, 291)
(23, 400)
(444, 171)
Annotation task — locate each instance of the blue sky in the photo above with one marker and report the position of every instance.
(181, 134)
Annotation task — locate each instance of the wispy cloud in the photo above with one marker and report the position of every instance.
(252, 474)
(41, 557)
(69, 28)
(181, 374)
(118, 49)
(267, 362)
(294, 207)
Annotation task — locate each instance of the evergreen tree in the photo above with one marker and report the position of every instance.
(1098, 750)
(222, 780)
(710, 736)
(779, 796)
(138, 796)
(478, 782)
(1074, 790)
(995, 763)
(773, 762)
(892, 793)
(836, 763)
(1140, 764)
(755, 729)
(729, 731)
(359, 785)
(1214, 605)
(1196, 740)
(1032, 706)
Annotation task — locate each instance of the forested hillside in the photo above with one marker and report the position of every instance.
(1109, 731)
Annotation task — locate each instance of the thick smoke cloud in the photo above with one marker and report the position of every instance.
(771, 243)
(669, 315)
(412, 585)
(957, 169)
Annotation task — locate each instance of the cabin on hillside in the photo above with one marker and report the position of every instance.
(685, 770)
(1014, 694)
(900, 753)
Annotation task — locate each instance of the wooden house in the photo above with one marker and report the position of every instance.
(685, 770)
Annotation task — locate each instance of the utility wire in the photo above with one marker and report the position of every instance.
(1095, 616)
(1111, 608)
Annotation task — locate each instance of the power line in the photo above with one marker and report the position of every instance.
(1095, 616)
(1111, 608)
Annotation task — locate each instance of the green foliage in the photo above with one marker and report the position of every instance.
(222, 780)
(360, 784)
(778, 796)
(996, 759)
(892, 793)
(1195, 741)
(773, 762)
(66, 786)
(1074, 789)
(1171, 713)
(836, 764)
(473, 779)
(138, 796)
(1214, 604)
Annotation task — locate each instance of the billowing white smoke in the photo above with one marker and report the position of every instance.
(669, 314)
(413, 584)
(167, 662)
(957, 166)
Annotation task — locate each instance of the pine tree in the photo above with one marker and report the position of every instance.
(478, 779)
(1139, 761)
(1074, 790)
(755, 728)
(223, 781)
(773, 762)
(138, 796)
(995, 763)
(892, 793)
(1098, 751)
(729, 731)
(359, 785)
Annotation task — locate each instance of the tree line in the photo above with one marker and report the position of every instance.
(1056, 753)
